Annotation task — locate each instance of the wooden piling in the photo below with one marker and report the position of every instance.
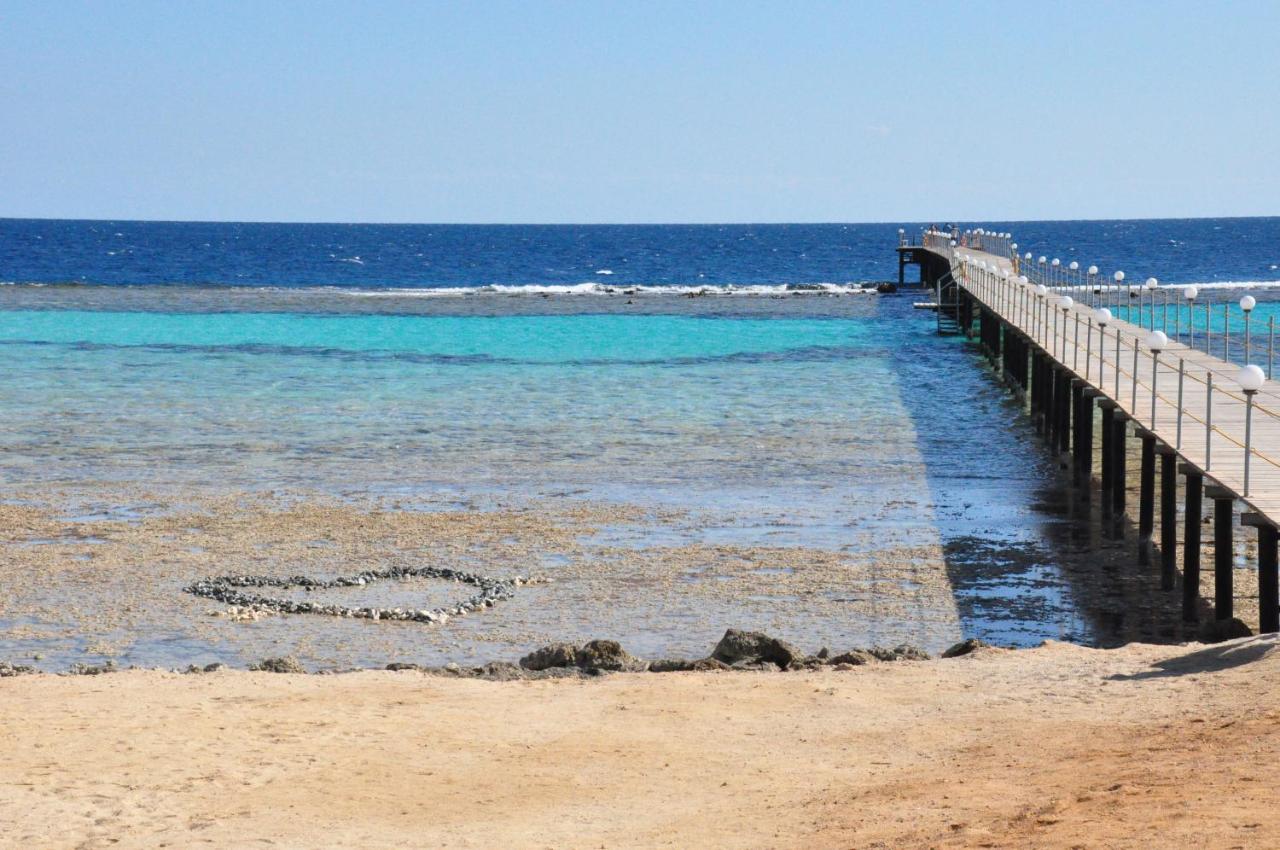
(1268, 574)
(1118, 466)
(1223, 551)
(1146, 498)
(1168, 517)
(1191, 543)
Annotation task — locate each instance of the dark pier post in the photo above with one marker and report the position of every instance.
(1046, 396)
(1168, 516)
(1147, 497)
(1059, 408)
(1065, 406)
(1004, 351)
(997, 340)
(1223, 552)
(1030, 387)
(1051, 406)
(1268, 575)
(1023, 365)
(1117, 467)
(902, 268)
(1191, 545)
(1077, 418)
(1037, 389)
(1084, 441)
(1108, 455)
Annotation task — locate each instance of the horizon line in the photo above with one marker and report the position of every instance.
(886, 223)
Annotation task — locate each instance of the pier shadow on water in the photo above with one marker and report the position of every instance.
(1046, 570)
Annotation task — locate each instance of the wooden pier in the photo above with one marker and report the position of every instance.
(1088, 375)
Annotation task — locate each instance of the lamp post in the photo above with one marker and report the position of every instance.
(1190, 294)
(1075, 272)
(1065, 303)
(1247, 304)
(1103, 315)
(1056, 270)
(1041, 292)
(1251, 378)
(1093, 274)
(1150, 286)
(1119, 278)
(1156, 342)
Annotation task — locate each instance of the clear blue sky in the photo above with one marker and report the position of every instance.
(645, 111)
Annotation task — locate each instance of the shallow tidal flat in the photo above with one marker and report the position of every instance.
(110, 586)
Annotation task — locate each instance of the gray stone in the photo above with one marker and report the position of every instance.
(670, 665)
(737, 646)
(7, 670)
(403, 665)
(965, 647)
(607, 655)
(757, 666)
(278, 665)
(551, 655)
(500, 671)
(852, 658)
(901, 652)
(92, 669)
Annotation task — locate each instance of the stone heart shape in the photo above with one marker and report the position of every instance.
(229, 589)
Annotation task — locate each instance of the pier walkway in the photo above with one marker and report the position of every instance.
(1083, 370)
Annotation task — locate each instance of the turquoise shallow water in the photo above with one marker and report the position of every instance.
(391, 400)
(511, 338)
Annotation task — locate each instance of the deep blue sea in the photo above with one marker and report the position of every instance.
(738, 373)
(449, 256)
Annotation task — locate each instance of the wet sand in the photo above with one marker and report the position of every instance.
(1054, 747)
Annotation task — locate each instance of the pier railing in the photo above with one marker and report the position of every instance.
(1197, 318)
(998, 244)
(1220, 417)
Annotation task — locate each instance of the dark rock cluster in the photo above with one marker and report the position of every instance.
(231, 590)
(737, 650)
(278, 665)
(965, 647)
(93, 669)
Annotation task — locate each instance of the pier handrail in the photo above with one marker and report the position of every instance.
(1166, 386)
(1191, 315)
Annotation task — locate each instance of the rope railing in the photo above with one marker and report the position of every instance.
(1164, 385)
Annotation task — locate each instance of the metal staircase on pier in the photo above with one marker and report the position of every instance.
(947, 296)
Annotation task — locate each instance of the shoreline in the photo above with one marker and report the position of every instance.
(1058, 746)
(738, 651)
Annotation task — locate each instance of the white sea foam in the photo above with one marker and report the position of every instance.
(1227, 284)
(1215, 284)
(583, 289)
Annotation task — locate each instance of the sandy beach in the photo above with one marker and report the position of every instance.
(1059, 746)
